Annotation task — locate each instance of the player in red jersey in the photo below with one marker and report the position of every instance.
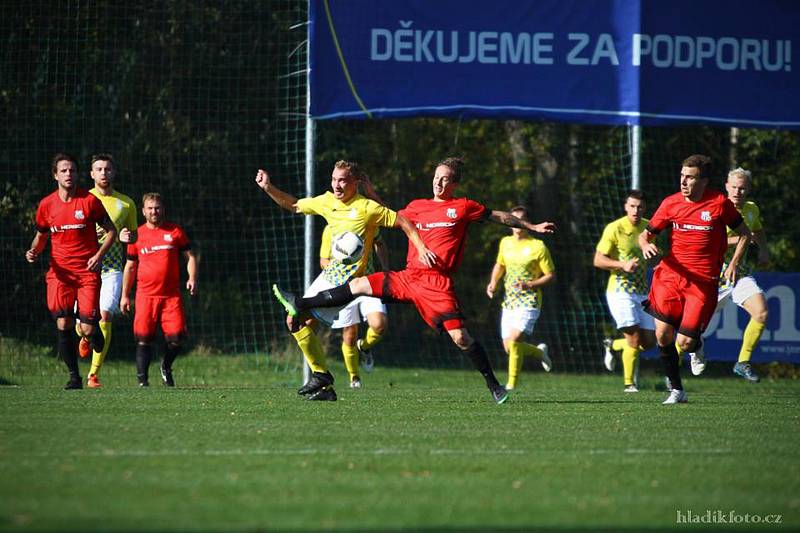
(683, 293)
(69, 214)
(442, 222)
(154, 260)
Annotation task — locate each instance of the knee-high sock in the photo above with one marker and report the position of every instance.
(99, 357)
(66, 349)
(669, 358)
(528, 350)
(371, 338)
(514, 363)
(752, 334)
(328, 298)
(171, 351)
(629, 357)
(144, 353)
(312, 349)
(478, 356)
(619, 344)
(350, 354)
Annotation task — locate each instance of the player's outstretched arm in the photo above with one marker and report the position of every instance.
(37, 246)
(426, 257)
(283, 199)
(507, 219)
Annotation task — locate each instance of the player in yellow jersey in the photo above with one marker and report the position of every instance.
(370, 309)
(344, 210)
(618, 252)
(122, 211)
(525, 265)
(745, 292)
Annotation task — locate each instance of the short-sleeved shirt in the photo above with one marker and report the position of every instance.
(359, 215)
(620, 241)
(122, 211)
(752, 216)
(525, 259)
(71, 226)
(157, 252)
(443, 228)
(325, 248)
(699, 232)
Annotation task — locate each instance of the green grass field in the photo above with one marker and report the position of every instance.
(414, 449)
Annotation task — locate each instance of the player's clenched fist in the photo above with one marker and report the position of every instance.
(262, 179)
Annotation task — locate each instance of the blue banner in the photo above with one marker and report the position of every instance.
(723, 62)
(781, 338)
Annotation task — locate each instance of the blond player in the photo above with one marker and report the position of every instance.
(525, 266)
(618, 252)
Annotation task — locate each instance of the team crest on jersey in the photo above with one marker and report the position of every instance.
(120, 205)
(168, 237)
(451, 212)
(79, 214)
(705, 216)
(353, 213)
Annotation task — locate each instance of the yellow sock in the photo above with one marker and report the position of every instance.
(514, 364)
(312, 349)
(99, 357)
(529, 350)
(629, 356)
(752, 334)
(619, 344)
(371, 338)
(350, 354)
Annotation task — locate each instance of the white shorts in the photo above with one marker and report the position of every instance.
(110, 291)
(627, 310)
(739, 293)
(519, 319)
(341, 317)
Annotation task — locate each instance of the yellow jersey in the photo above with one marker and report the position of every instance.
(122, 211)
(524, 259)
(620, 242)
(752, 217)
(360, 215)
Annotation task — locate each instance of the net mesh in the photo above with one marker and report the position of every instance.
(192, 98)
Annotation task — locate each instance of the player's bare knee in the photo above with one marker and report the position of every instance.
(377, 321)
(761, 315)
(687, 344)
(461, 338)
(350, 335)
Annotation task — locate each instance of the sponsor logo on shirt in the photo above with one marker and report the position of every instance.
(154, 249)
(79, 214)
(431, 225)
(690, 227)
(66, 227)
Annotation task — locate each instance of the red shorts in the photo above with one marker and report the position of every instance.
(64, 288)
(685, 304)
(154, 310)
(431, 292)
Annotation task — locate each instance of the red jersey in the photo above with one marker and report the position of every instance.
(72, 228)
(443, 228)
(699, 233)
(157, 251)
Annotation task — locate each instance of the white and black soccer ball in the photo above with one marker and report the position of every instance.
(347, 248)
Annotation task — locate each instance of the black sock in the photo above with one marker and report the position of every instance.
(478, 356)
(65, 347)
(97, 339)
(171, 351)
(670, 360)
(144, 352)
(328, 298)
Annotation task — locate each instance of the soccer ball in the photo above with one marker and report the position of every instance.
(347, 248)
